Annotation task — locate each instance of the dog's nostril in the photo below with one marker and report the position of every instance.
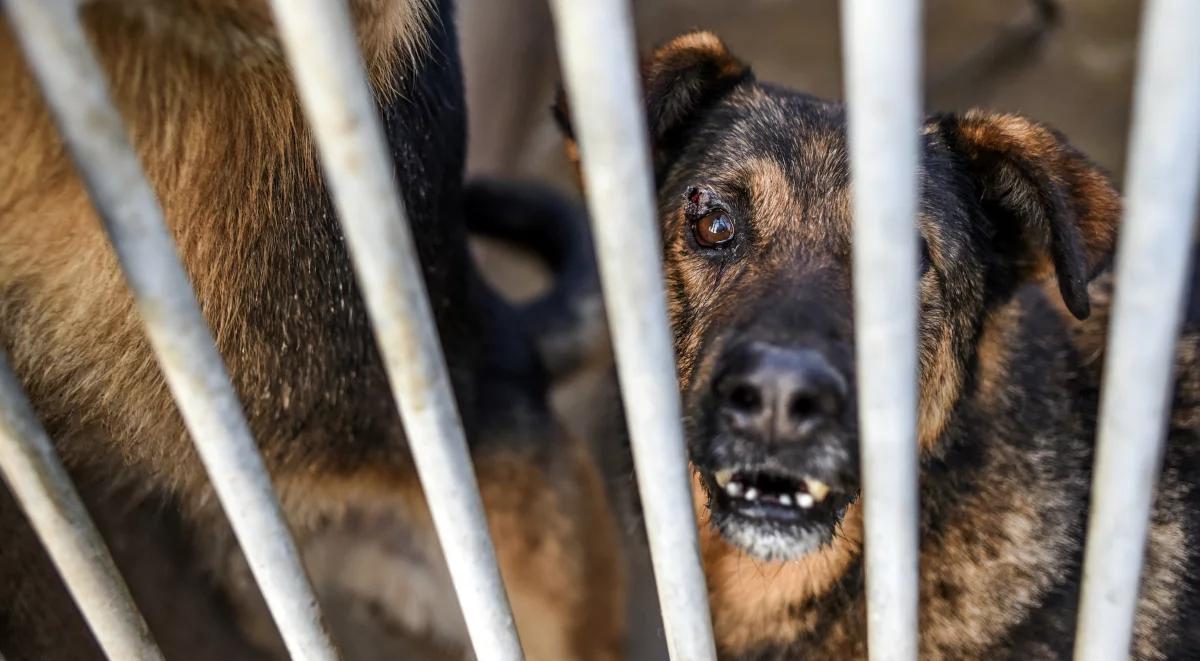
(803, 406)
(745, 398)
(813, 405)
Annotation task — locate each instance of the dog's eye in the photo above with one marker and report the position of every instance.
(713, 229)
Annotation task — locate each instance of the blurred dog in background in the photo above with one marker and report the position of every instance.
(211, 110)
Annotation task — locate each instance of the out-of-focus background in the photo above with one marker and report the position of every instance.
(1068, 63)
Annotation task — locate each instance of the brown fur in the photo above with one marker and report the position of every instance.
(1021, 145)
(763, 594)
(211, 111)
(568, 613)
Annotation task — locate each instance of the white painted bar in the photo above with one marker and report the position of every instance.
(882, 46)
(320, 41)
(74, 85)
(596, 44)
(42, 487)
(1153, 251)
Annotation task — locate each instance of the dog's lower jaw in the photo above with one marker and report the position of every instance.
(767, 542)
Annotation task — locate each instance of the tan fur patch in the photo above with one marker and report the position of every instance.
(1164, 575)
(775, 207)
(699, 46)
(992, 353)
(556, 542)
(241, 33)
(211, 111)
(941, 378)
(750, 598)
(558, 548)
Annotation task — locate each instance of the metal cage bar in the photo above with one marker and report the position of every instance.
(74, 85)
(44, 490)
(1153, 250)
(596, 43)
(882, 53)
(322, 46)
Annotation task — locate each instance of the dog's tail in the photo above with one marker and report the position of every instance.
(566, 322)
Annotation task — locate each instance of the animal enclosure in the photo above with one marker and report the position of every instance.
(883, 41)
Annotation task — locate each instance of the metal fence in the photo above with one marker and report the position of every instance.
(597, 46)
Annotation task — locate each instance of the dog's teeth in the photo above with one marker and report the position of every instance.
(751, 494)
(817, 488)
(785, 500)
(723, 477)
(734, 489)
(804, 500)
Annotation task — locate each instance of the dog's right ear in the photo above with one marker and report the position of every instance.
(1051, 209)
(680, 79)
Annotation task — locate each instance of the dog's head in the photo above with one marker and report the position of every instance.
(754, 202)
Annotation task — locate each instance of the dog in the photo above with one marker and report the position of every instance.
(754, 201)
(208, 101)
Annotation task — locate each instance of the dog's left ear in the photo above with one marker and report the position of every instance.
(680, 79)
(1051, 209)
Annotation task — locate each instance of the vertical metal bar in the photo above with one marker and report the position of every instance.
(882, 50)
(321, 43)
(1153, 248)
(44, 490)
(74, 85)
(597, 46)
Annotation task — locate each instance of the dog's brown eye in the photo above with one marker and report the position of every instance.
(714, 229)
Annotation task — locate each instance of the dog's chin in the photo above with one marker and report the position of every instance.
(769, 541)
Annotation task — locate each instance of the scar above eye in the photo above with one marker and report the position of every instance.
(699, 199)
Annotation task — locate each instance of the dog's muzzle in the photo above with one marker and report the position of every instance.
(777, 450)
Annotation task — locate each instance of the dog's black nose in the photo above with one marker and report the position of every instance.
(777, 393)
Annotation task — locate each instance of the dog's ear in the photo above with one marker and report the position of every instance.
(680, 79)
(1052, 210)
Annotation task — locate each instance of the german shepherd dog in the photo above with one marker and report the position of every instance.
(754, 203)
(211, 110)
